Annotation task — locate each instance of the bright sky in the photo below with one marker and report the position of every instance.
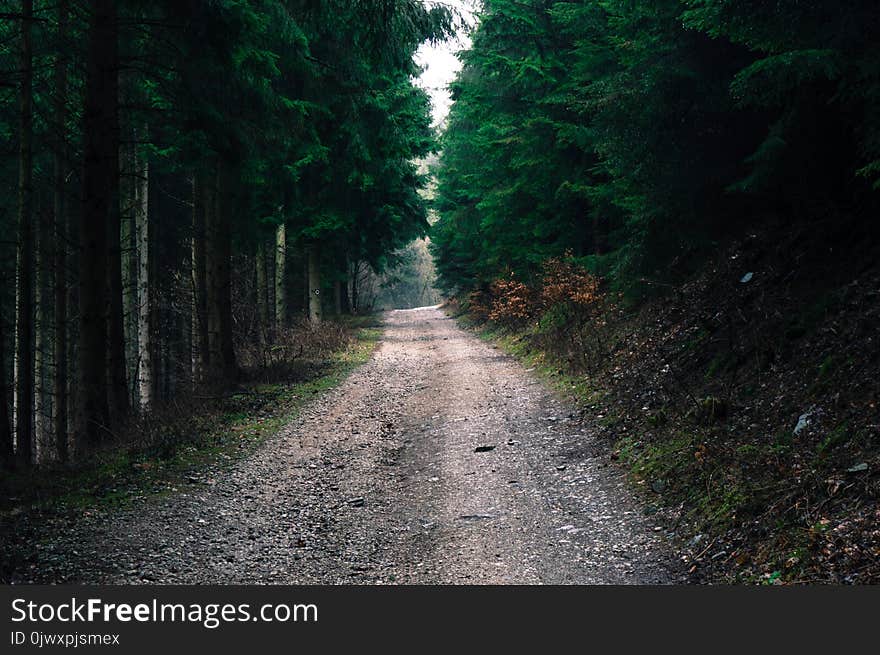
(440, 62)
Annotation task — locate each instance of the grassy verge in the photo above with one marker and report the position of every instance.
(758, 438)
(580, 389)
(664, 468)
(214, 435)
(712, 500)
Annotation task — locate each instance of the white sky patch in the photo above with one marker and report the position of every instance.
(439, 63)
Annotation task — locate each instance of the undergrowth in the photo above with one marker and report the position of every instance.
(178, 442)
(699, 395)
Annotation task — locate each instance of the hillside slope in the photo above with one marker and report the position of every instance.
(746, 402)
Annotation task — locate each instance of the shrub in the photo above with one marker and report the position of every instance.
(513, 302)
(566, 282)
(300, 345)
(566, 299)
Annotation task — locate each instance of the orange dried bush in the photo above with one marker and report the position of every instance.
(566, 282)
(513, 301)
(509, 301)
(572, 314)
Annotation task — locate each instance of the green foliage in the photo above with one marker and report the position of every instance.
(769, 81)
(311, 105)
(638, 134)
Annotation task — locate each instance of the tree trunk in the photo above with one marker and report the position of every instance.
(346, 301)
(59, 389)
(116, 372)
(186, 344)
(223, 240)
(100, 141)
(43, 367)
(24, 353)
(129, 186)
(280, 277)
(157, 343)
(314, 284)
(7, 452)
(263, 292)
(345, 288)
(144, 296)
(218, 254)
(200, 351)
(354, 287)
(337, 297)
(59, 386)
(306, 291)
(270, 255)
(212, 308)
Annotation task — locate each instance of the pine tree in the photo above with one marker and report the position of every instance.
(100, 177)
(24, 327)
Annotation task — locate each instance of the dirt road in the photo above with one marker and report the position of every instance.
(440, 461)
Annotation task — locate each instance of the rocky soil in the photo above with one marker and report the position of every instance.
(440, 461)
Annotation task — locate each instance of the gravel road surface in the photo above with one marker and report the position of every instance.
(440, 461)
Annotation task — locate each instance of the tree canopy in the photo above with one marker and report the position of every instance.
(635, 135)
(175, 169)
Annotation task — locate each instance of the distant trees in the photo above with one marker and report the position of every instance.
(638, 134)
(409, 283)
(183, 177)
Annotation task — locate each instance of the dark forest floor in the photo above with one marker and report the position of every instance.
(746, 402)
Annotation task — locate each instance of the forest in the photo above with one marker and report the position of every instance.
(183, 178)
(271, 313)
(636, 136)
(670, 208)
